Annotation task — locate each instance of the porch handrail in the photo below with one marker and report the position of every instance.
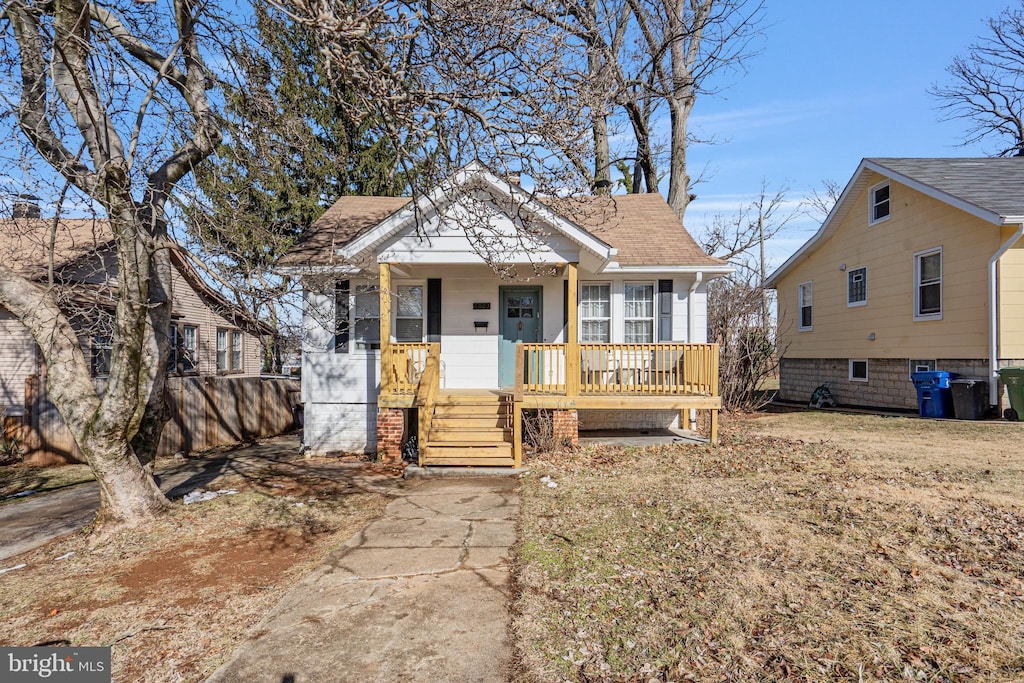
(426, 396)
(544, 368)
(665, 368)
(405, 364)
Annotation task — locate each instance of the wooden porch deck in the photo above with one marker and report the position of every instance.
(484, 426)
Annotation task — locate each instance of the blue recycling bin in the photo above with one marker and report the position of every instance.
(934, 393)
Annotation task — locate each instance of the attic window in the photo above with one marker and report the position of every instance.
(879, 203)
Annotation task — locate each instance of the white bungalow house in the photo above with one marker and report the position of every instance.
(480, 300)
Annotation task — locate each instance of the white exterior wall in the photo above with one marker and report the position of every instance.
(445, 239)
(18, 360)
(340, 389)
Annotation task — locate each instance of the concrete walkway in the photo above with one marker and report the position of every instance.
(419, 595)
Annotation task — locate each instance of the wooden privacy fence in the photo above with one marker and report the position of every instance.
(205, 412)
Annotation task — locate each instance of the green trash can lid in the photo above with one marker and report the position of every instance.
(1011, 372)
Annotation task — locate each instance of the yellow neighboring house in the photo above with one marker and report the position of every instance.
(919, 266)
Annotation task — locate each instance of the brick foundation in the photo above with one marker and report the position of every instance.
(565, 427)
(390, 433)
(888, 385)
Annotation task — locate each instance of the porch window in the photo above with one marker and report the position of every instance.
(639, 313)
(596, 313)
(409, 314)
(366, 317)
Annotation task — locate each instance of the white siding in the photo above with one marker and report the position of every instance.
(332, 427)
(340, 389)
(459, 235)
(18, 361)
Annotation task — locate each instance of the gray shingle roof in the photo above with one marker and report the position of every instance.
(642, 227)
(995, 185)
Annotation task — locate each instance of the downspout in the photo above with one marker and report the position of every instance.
(993, 317)
(691, 327)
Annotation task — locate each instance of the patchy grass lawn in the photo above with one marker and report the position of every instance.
(176, 598)
(21, 478)
(808, 546)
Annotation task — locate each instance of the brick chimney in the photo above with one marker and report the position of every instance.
(26, 206)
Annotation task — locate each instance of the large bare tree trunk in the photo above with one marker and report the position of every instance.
(67, 102)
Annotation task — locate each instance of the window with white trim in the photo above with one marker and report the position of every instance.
(102, 352)
(366, 317)
(928, 284)
(639, 312)
(181, 357)
(879, 203)
(596, 313)
(857, 287)
(922, 366)
(236, 351)
(229, 350)
(805, 301)
(409, 313)
(858, 370)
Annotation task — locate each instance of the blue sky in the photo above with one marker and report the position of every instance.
(837, 81)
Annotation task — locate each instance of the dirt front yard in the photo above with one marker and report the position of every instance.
(176, 598)
(808, 546)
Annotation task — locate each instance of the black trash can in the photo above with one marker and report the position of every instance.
(970, 398)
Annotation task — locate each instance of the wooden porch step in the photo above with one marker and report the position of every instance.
(469, 453)
(469, 409)
(468, 399)
(444, 438)
(474, 422)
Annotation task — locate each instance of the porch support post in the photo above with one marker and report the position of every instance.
(385, 329)
(572, 346)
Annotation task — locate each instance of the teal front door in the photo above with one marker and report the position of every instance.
(520, 322)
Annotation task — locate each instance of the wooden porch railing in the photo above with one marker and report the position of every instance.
(426, 396)
(405, 363)
(621, 369)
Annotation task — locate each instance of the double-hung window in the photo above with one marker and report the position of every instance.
(857, 287)
(189, 354)
(596, 313)
(879, 203)
(366, 317)
(181, 356)
(229, 350)
(639, 312)
(102, 350)
(409, 314)
(928, 284)
(805, 301)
